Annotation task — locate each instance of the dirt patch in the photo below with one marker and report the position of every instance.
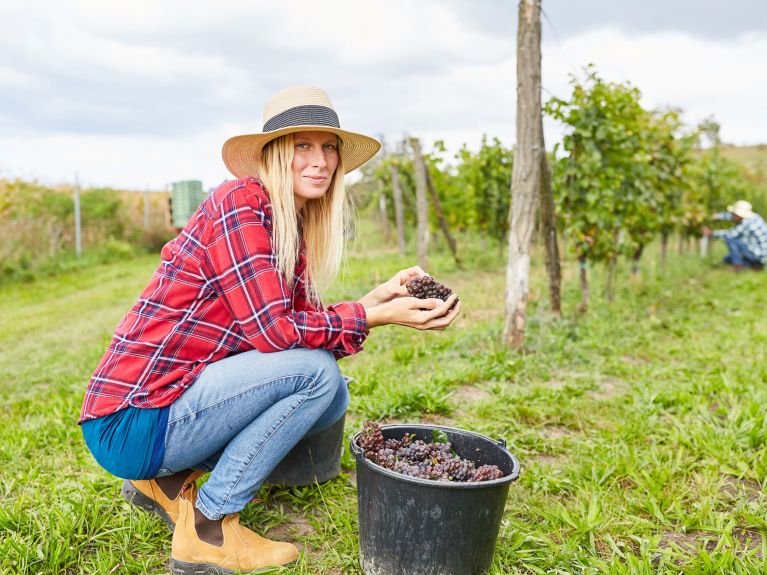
(555, 384)
(689, 542)
(434, 419)
(609, 388)
(744, 541)
(606, 551)
(555, 432)
(747, 540)
(294, 527)
(463, 397)
(427, 418)
(566, 374)
(469, 394)
(395, 421)
(626, 483)
(736, 488)
(631, 360)
(544, 459)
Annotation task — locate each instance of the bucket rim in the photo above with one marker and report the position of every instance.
(359, 456)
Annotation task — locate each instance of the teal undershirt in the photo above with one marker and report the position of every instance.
(129, 443)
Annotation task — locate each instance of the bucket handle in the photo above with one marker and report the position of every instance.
(502, 443)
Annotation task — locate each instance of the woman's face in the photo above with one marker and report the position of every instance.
(315, 157)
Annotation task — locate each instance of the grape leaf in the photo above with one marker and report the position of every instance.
(439, 436)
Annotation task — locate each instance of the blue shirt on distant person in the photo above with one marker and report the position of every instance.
(752, 232)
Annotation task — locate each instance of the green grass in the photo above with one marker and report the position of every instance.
(752, 158)
(640, 426)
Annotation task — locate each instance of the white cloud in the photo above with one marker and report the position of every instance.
(703, 77)
(142, 93)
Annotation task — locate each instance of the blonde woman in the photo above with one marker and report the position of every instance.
(228, 358)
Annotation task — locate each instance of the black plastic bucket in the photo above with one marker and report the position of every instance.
(316, 458)
(412, 526)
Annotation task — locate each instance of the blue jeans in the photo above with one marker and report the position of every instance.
(244, 414)
(739, 254)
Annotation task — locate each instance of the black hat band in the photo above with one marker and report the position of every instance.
(309, 115)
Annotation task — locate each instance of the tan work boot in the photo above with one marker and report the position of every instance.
(242, 551)
(147, 495)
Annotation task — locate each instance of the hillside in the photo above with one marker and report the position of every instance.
(752, 158)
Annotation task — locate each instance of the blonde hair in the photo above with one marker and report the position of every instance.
(322, 219)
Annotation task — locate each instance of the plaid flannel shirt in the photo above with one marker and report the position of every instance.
(752, 232)
(217, 292)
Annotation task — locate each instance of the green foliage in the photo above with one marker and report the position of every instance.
(715, 182)
(474, 192)
(622, 175)
(37, 226)
(603, 184)
(485, 177)
(626, 174)
(671, 149)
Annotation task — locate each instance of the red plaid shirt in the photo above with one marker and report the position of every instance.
(217, 292)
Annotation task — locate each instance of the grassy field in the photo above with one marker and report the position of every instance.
(640, 426)
(752, 158)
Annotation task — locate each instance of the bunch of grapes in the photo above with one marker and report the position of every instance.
(416, 458)
(426, 286)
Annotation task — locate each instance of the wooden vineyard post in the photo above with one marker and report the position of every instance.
(384, 213)
(78, 227)
(549, 234)
(438, 208)
(398, 210)
(422, 207)
(584, 279)
(526, 175)
(703, 246)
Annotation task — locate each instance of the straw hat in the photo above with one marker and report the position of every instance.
(297, 109)
(742, 209)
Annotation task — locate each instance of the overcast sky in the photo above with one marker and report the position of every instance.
(139, 94)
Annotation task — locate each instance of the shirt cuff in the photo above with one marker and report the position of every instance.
(354, 326)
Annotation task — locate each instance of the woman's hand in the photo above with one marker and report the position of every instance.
(392, 289)
(431, 313)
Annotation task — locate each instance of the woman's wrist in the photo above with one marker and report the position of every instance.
(370, 299)
(375, 316)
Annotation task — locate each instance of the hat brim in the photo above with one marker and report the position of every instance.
(242, 154)
(745, 214)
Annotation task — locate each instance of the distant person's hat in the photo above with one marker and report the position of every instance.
(742, 209)
(297, 109)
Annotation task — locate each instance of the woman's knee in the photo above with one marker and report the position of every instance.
(324, 370)
(340, 402)
(334, 411)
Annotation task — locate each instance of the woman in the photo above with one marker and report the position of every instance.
(229, 358)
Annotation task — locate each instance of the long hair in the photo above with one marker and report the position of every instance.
(322, 220)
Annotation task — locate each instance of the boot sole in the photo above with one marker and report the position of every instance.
(138, 499)
(183, 568)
